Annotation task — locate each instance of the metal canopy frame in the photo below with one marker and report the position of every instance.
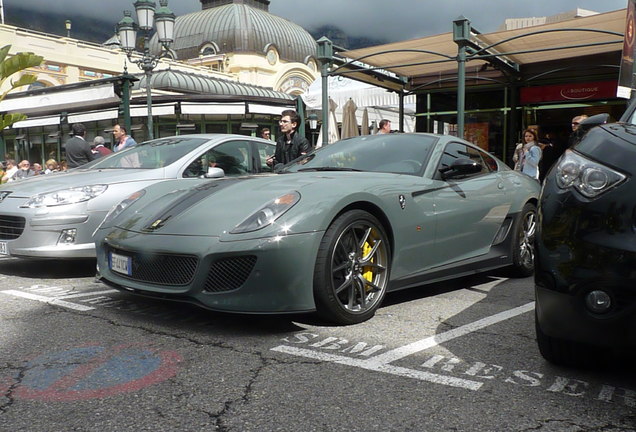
(469, 48)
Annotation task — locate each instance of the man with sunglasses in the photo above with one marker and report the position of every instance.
(289, 145)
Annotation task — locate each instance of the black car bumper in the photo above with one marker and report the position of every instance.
(585, 246)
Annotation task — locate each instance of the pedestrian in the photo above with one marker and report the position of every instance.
(385, 126)
(266, 134)
(290, 145)
(78, 151)
(528, 154)
(51, 166)
(99, 149)
(24, 171)
(122, 140)
(575, 136)
(37, 169)
(10, 169)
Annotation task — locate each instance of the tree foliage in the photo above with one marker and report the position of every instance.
(10, 66)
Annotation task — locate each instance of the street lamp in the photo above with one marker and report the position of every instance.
(67, 25)
(313, 125)
(147, 15)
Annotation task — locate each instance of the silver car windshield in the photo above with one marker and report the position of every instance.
(390, 153)
(151, 154)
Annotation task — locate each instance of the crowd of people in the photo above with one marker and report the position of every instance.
(77, 150)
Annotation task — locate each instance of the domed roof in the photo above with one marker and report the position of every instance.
(239, 28)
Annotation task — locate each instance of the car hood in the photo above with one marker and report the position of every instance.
(76, 178)
(215, 207)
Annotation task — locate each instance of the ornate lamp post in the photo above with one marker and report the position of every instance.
(313, 125)
(147, 15)
(67, 25)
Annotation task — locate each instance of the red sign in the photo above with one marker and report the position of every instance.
(577, 92)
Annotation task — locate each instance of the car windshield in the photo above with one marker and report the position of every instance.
(390, 153)
(151, 154)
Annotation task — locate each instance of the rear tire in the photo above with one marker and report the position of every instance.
(524, 231)
(352, 268)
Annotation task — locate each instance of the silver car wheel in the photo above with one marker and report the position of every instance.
(358, 265)
(524, 232)
(526, 241)
(352, 268)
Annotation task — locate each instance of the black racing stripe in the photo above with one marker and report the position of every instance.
(188, 200)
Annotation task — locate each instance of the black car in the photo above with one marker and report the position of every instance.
(585, 268)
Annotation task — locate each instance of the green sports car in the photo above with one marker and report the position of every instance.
(331, 232)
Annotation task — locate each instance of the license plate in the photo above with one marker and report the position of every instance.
(121, 264)
(3, 248)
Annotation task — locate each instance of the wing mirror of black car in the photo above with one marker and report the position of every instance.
(214, 172)
(460, 167)
(595, 120)
(587, 124)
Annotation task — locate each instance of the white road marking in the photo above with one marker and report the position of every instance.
(88, 294)
(429, 342)
(375, 366)
(380, 362)
(49, 300)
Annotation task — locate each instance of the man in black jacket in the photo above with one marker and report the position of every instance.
(78, 151)
(289, 145)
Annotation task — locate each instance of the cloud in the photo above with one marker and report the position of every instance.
(393, 21)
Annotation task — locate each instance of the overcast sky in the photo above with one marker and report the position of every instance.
(381, 19)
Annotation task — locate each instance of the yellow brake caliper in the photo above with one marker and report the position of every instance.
(368, 271)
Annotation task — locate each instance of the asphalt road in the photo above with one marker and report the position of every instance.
(459, 356)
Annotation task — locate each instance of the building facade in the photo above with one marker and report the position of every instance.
(231, 69)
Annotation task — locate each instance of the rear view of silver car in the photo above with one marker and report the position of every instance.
(55, 215)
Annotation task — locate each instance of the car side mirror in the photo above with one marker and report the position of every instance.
(214, 172)
(587, 124)
(460, 167)
(595, 120)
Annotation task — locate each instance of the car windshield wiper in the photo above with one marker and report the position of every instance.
(327, 168)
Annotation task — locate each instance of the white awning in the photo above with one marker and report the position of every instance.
(212, 108)
(157, 110)
(267, 109)
(92, 116)
(61, 101)
(40, 121)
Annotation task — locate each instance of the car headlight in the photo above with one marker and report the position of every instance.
(586, 176)
(116, 210)
(66, 196)
(267, 214)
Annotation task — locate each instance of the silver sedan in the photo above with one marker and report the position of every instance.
(55, 215)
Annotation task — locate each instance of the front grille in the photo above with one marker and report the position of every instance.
(229, 273)
(11, 227)
(161, 269)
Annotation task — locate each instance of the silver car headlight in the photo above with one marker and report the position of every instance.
(586, 176)
(116, 210)
(267, 214)
(66, 196)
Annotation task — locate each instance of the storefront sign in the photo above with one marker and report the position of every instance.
(578, 92)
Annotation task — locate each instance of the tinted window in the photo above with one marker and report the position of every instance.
(456, 150)
(391, 153)
(232, 157)
(263, 151)
(150, 155)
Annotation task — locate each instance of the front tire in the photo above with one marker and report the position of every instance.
(524, 231)
(565, 353)
(352, 268)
